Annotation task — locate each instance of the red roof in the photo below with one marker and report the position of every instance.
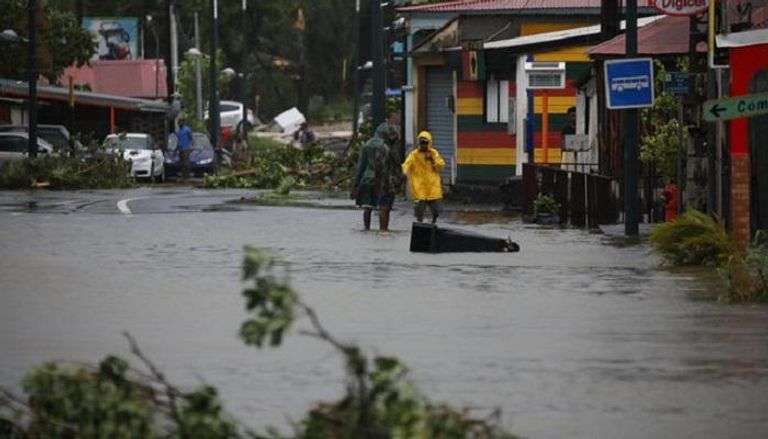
(667, 36)
(499, 5)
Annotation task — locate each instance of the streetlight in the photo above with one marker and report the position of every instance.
(213, 104)
(243, 68)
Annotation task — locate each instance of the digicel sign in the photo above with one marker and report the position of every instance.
(680, 7)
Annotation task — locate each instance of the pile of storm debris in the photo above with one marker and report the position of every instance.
(288, 149)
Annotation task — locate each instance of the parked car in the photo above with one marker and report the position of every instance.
(147, 161)
(201, 156)
(56, 135)
(231, 114)
(15, 146)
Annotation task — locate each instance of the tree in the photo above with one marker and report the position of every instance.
(62, 41)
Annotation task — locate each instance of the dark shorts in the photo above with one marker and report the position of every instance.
(367, 196)
(386, 201)
(419, 206)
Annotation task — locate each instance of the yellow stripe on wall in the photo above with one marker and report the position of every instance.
(569, 54)
(470, 106)
(556, 104)
(554, 155)
(539, 28)
(486, 156)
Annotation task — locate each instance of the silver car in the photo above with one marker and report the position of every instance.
(14, 146)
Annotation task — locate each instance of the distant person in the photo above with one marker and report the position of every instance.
(185, 140)
(304, 135)
(377, 175)
(423, 166)
(570, 124)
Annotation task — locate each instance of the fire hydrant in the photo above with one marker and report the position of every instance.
(669, 196)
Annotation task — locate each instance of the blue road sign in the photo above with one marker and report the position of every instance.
(629, 83)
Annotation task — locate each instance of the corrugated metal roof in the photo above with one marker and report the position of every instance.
(668, 36)
(503, 5)
(548, 37)
(47, 92)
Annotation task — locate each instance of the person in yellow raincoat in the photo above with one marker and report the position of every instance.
(423, 166)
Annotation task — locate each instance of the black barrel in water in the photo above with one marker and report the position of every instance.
(429, 238)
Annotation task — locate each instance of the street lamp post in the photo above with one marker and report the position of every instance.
(32, 78)
(377, 54)
(198, 74)
(213, 105)
(243, 69)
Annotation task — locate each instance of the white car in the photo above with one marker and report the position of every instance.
(14, 146)
(147, 161)
(231, 113)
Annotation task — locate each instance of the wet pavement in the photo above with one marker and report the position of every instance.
(576, 336)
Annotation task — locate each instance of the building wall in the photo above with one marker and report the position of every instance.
(745, 62)
(485, 151)
(577, 64)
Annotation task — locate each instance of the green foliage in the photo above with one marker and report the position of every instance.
(272, 162)
(78, 402)
(59, 171)
(661, 148)
(188, 80)
(62, 41)
(693, 239)
(747, 273)
(660, 143)
(379, 401)
(545, 203)
(111, 400)
(322, 111)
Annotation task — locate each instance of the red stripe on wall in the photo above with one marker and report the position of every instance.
(745, 62)
(569, 90)
(476, 89)
(555, 140)
(486, 139)
(470, 89)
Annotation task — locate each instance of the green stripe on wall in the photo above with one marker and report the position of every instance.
(556, 122)
(477, 123)
(577, 70)
(483, 173)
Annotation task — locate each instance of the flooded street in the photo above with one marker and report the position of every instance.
(572, 337)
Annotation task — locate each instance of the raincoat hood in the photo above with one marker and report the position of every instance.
(386, 132)
(426, 135)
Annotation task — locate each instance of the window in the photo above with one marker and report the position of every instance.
(13, 144)
(496, 101)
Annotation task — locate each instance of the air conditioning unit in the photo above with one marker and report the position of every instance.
(545, 75)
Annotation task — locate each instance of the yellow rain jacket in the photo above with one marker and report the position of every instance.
(423, 176)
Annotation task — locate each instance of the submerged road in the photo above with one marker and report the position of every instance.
(576, 336)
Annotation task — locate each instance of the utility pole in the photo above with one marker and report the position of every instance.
(213, 105)
(609, 10)
(198, 74)
(243, 69)
(630, 135)
(356, 71)
(174, 45)
(79, 13)
(377, 55)
(32, 78)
